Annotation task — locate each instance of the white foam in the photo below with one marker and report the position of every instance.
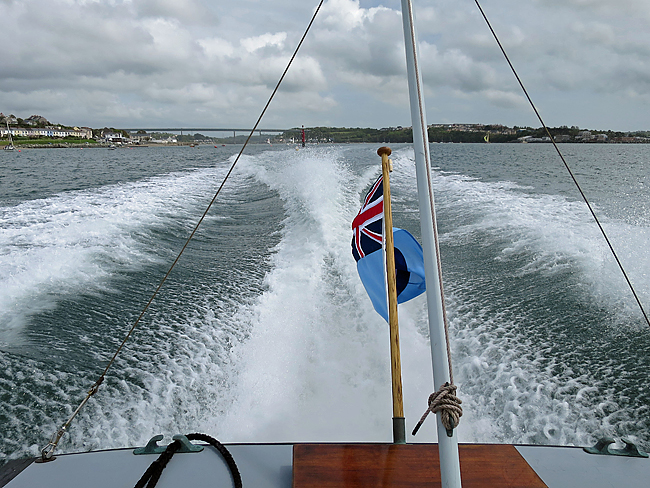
(73, 242)
(316, 363)
(307, 360)
(514, 387)
(552, 232)
(312, 363)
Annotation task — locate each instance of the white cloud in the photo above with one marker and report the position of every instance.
(344, 14)
(216, 47)
(156, 59)
(169, 39)
(252, 44)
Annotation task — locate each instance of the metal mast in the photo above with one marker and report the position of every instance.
(448, 446)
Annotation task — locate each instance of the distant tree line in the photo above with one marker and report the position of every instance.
(343, 135)
(497, 134)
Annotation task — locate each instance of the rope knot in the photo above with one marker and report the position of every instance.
(447, 403)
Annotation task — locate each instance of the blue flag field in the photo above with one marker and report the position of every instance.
(367, 250)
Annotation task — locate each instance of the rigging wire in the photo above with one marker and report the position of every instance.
(427, 157)
(566, 165)
(444, 400)
(48, 451)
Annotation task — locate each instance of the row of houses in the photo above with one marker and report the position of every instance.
(120, 138)
(77, 132)
(491, 128)
(583, 136)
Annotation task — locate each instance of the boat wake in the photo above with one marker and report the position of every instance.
(265, 333)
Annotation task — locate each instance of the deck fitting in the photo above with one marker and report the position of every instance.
(152, 446)
(603, 447)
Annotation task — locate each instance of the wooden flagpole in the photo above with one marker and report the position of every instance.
(399, 430)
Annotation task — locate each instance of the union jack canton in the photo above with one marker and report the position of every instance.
(368, 225)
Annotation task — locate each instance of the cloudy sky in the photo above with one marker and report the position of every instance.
(213, 63)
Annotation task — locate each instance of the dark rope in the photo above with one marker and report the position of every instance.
(155, 469)
(236, 477)
(152, 474)
(566, 165)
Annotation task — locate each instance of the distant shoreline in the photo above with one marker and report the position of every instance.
(443, 133)
(97, 145)
(277, 144)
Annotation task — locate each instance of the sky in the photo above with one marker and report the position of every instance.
(214, 63)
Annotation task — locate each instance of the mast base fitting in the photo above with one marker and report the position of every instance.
(399, 430)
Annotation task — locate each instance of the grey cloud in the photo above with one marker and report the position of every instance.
(191, 59)
(186, 11)
(605, 7)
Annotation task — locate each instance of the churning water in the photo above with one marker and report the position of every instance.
(264, 332)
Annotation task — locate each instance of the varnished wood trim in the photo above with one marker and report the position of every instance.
(412, 465)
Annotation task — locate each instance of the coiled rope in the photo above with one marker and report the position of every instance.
(152, 474)
(445, 401)
(48, 451)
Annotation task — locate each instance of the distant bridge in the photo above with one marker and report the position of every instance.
(204, 129)
(208, 129)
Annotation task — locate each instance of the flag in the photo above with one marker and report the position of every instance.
(367, 243)
(368, 225)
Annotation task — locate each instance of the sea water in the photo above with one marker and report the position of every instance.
(263, 331)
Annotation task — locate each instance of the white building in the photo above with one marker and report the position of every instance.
(83, 133)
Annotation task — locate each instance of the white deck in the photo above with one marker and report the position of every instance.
(571, 467)
(270, 466)
(262, 466)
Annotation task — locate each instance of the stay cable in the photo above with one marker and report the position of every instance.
(566, 165)
(48, 451)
